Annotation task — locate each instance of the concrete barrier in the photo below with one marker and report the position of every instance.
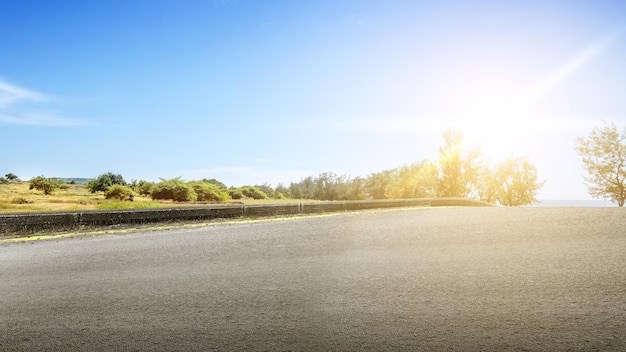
(24, 224)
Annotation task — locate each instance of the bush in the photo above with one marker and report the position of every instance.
(118, 192)
(209, 191)
(3, 180)
(47, 185)
(219, 184)
(253, 192)
(21, 200)
(142, 187)
(104, 181)
(235, 193)
(173, 189)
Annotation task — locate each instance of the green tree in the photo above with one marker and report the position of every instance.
(514, 182)
(603, 154)
(458, 168)
(104, 181)
(377, 184)
(47, 185)
(417, 180)
(11, 176)
(282, 192)
(305, 189)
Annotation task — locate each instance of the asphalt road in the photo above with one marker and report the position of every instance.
(465, 279)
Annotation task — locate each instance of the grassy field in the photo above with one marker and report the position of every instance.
(17, 197)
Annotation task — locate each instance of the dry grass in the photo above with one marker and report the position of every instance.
(17, 197)
(75, 197)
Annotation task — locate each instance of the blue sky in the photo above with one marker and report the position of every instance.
(252, 91)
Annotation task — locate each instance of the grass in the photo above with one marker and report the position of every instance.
(129, 205)
(16, 197)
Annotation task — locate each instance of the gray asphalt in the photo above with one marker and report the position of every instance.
(464, 279)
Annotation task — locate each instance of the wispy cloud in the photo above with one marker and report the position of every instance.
(21, 106)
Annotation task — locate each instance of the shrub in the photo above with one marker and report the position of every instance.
(105, 181)
(21, 200)
(235, 193)
(118, 192)
(173, 189)
(219, 184)
(47, 185)
(253, 192)
(3, 180)
(209, 191)
(142, 187)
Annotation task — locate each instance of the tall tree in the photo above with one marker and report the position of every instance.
(603, 154)
(105, 181)
(515, 182)
(458, 168)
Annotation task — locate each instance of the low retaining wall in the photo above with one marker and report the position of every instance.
(19, 224)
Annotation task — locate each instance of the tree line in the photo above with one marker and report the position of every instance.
(459, 171)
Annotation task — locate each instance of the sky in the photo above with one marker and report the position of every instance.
(269, 91)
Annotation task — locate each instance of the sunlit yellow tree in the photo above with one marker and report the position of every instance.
(604, 157)
(514, 182)
(458, 168)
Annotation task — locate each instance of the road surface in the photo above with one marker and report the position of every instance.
(433, 279)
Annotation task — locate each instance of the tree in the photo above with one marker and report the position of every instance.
(603, 154)
(105, 181)
(514, 182)
(377, 183)
(11, 177)
(458, 168)
(47, 185)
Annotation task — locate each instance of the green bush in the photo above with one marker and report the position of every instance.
(173, 189)
(105, 181)
(142, 187)
(47, 185)
(3, 180)
(253, 192)
(209, 191)
(118, 192)
(235, 193)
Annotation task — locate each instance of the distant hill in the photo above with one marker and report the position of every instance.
(77, 180)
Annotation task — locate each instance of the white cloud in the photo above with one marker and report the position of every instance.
(20, 106)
